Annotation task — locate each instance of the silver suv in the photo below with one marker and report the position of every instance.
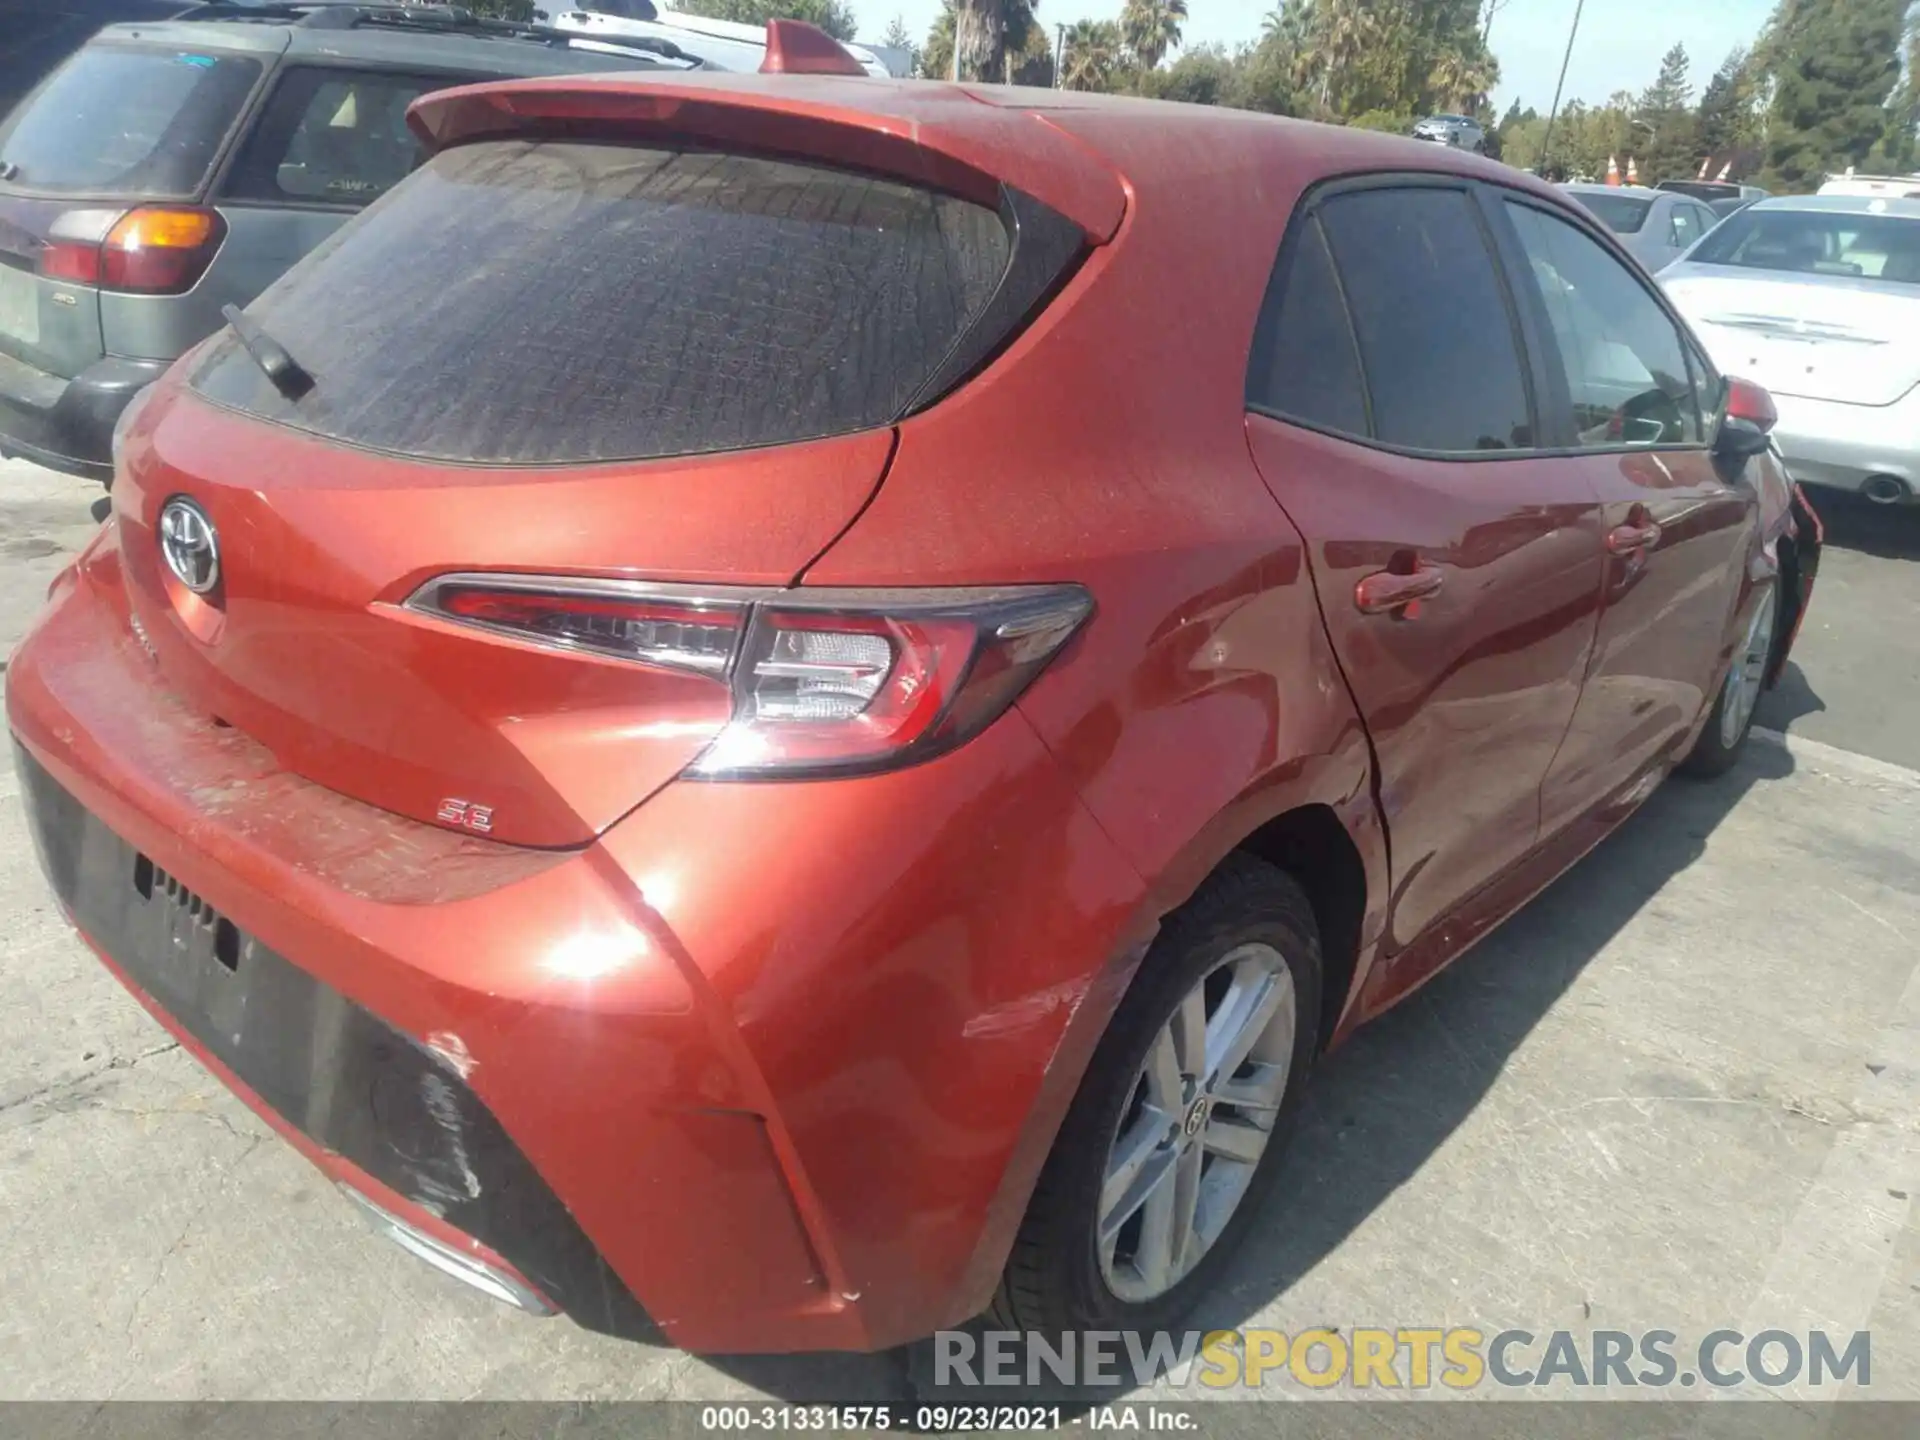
(168, 170)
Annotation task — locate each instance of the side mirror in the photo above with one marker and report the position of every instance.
(1746, 421)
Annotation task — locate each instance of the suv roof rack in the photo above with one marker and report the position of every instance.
(429, 19)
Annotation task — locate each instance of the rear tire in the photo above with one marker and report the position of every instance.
(1248, 932)
(1731, 719)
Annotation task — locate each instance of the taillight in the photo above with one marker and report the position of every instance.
(151, 250)
(824, 681)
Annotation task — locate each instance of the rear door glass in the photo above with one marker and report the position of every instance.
(1435, 331)
(126, 121)
(1304, 364)
(519, 302)
(332, 137)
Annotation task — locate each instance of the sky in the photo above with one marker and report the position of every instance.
(1618, 48)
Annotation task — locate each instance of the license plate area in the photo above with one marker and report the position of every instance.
(19, 305)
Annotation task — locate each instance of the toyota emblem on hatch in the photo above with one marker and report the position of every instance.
(190, 545)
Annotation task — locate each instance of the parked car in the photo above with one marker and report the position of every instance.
(1886, 187)
(170, 169)
(1656, 226)
(795, 741)
(721, 44)
(1819, 299)
(1731, 206)
(1462, 132)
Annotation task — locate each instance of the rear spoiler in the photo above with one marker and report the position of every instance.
(796, 48)
(930, 133)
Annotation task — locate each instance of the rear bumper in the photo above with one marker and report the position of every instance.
(68, 424)
(1843, 446)
(774, 1066)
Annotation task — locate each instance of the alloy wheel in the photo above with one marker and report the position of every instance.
(1745, 675)
(1199, 1118)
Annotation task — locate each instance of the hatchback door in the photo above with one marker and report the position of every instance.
(1626, 395)
(659, 365)
(1458, 568)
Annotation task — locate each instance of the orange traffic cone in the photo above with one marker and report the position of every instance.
(1726, 170)
(1633, 172)
(1613, 171)
(1703, 168)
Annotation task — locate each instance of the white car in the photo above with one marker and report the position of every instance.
(717, 44)
(1851, 182)
(1818, 299)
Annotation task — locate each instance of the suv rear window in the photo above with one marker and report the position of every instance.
(127, 121)
(1622, 214)
(530, 302)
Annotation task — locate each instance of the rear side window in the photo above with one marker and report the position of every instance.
(332, 137)
(1304, 365)
(1686, 226)
(520, 302)
(126, 121)
(1435, 331)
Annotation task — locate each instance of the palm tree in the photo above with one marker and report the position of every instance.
(1461, 78)
(1152, 27)
(1332, 36)
(979, 39)
(1091, 51)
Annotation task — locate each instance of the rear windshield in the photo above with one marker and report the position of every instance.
(1814, 242)
(520, 302)
(134, 121)
(1702, 189)
(1622, 214)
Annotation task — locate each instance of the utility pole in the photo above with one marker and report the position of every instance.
(1546, 140)
(1059, 51)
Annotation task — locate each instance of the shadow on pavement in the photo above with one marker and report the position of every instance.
(1386, 1101)
(1789, 699)
(1854, 523)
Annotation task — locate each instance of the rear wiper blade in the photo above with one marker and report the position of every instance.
(286, 374)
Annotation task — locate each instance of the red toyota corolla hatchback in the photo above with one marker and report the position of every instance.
(797, 705)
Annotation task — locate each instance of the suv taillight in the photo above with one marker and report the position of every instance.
(824, 682)
(151, 250)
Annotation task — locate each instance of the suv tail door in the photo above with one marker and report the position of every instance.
(127, 122)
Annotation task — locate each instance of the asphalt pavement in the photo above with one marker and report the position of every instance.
(1680, 1091)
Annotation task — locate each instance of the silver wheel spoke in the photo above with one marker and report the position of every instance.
(1189, 1026)
(1121, 1198)
(1128, 1179)
(1259, 1091)
(1164, 1087)
(1234, 1139)
(1250, 1006)
(1155, 1255)
(1186, 1203)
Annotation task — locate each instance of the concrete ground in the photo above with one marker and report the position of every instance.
(1681, 1091)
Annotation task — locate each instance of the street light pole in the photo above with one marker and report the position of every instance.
(1546, 140)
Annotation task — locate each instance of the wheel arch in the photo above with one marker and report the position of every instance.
(1311, 844)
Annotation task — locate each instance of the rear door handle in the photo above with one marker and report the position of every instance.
(1385, 591)
(1626, 539)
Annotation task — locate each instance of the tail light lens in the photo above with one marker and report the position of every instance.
(151, 250)
(824, 682)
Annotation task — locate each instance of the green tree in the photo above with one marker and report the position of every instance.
(1726, 119)
(1834, 66)
(836, 17)
(1151, 28)
(1025, 57)
(1092, 56)
(1665, 140)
